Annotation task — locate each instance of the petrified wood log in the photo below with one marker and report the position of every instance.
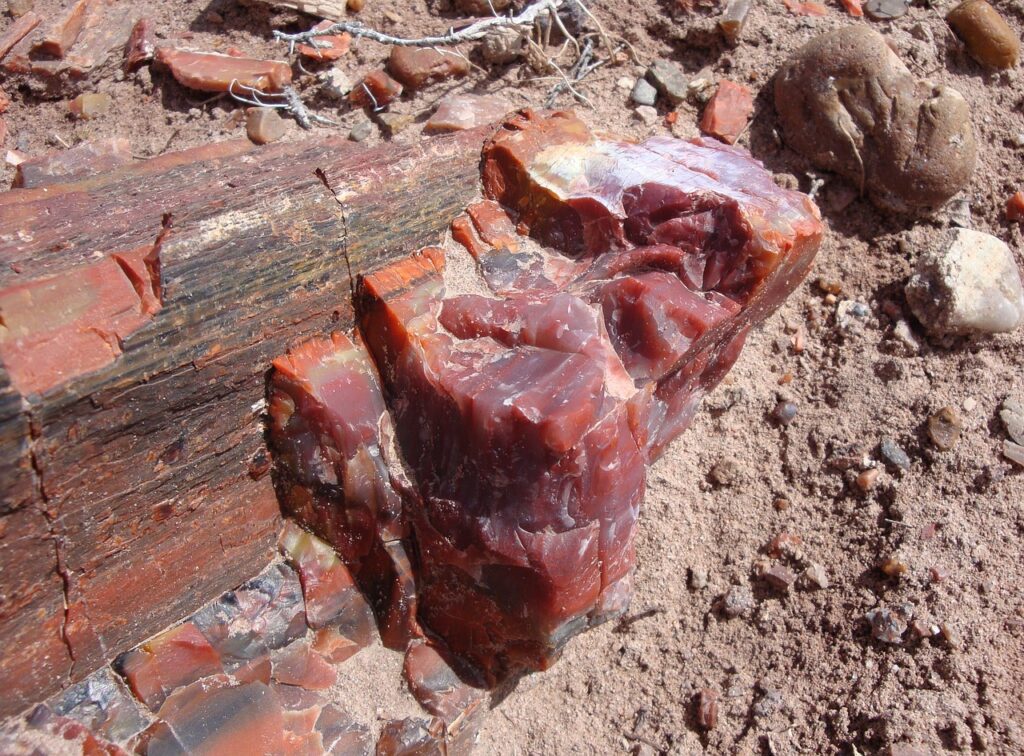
(140, 310)
(623, 280)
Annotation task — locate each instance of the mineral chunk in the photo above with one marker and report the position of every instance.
(90, 105)
(415, 67)
(101, 703)
(728, 111)
(412, 737)
(301, 665)
(214, 72)
(330, 592)
(466, 111)
(141, 45)
(264, 125)
(851, 106)
(627, 276)
(377, 90)
(326, 47)
(17, 32)
(58, 38)
(167, 662)
(213, 716)
(968, 284)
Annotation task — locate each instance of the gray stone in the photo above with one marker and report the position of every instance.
(969, 285)
(644, 93)
(669, 79)
(361, 129)
(738, 601)
(885, 10)
(893, 454)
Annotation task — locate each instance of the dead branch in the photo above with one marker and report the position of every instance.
(287, 100)
(471, 33)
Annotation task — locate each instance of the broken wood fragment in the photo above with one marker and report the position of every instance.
(216, 72)
(117, 432)
(17, 32)
(62, 33)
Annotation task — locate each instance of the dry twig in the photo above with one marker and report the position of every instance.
(287, 100)
(471, 33)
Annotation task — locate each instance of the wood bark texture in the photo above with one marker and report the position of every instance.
(139, 313)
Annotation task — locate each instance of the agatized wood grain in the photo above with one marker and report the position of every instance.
(151, 467)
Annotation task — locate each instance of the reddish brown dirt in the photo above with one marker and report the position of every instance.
(800, 673)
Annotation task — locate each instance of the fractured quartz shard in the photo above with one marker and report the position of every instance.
(506, 434)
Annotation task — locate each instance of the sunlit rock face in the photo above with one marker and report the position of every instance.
(500, 441)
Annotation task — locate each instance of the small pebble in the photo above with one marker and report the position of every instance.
(361, 130)
(501, 46)
(90, 105)
(893, 567)
(738, 601)
(969, 284)
(816, 575)
(1011, 412)
(885, 10)
(644, 93)
(889, 625)
(781, 504)
(937, 574)
(336, 83)
(989, 39)
(647, 114)
(867, 479)
(1013, 452)
(669, 79)
(707, 709)
(779, 577)
(784, 413)
(264, 125)
(786, 545)
(698, 578)
(944, 428)
(893, 454)
(355, 5)
(393, 123)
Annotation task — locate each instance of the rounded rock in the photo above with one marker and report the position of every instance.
(850, 105)
(988, 37)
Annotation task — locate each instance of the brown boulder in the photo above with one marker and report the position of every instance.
(847, 103)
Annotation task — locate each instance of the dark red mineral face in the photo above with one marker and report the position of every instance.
(479, 459)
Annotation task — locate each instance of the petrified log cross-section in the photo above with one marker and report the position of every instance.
(514, 427)
(139, 311)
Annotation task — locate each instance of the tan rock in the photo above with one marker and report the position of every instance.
(466, 111)
(90, 105)
(264, 125)
(846, 102)
(988, 37)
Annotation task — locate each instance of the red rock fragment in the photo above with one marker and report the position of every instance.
(415, 67)
(3, 132)
(854, 8)
(214, 72)
(213, 717)
(459, 112)
(103, 705)
(5, 101)
(169, 661)
(726, 114)
(787, 545)
(66, 736)
(412, 737)
(73, 323)
(58, 38)
(330, 592)
(328, 47)
(17, 31)
(436, 686)
(707, 709)
(65, 166)
(377, 90)
(264, 125)
(1015, 208)
(806, 7)
(298, 664)
(327, 418)
(341, 734)
(141, 45)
